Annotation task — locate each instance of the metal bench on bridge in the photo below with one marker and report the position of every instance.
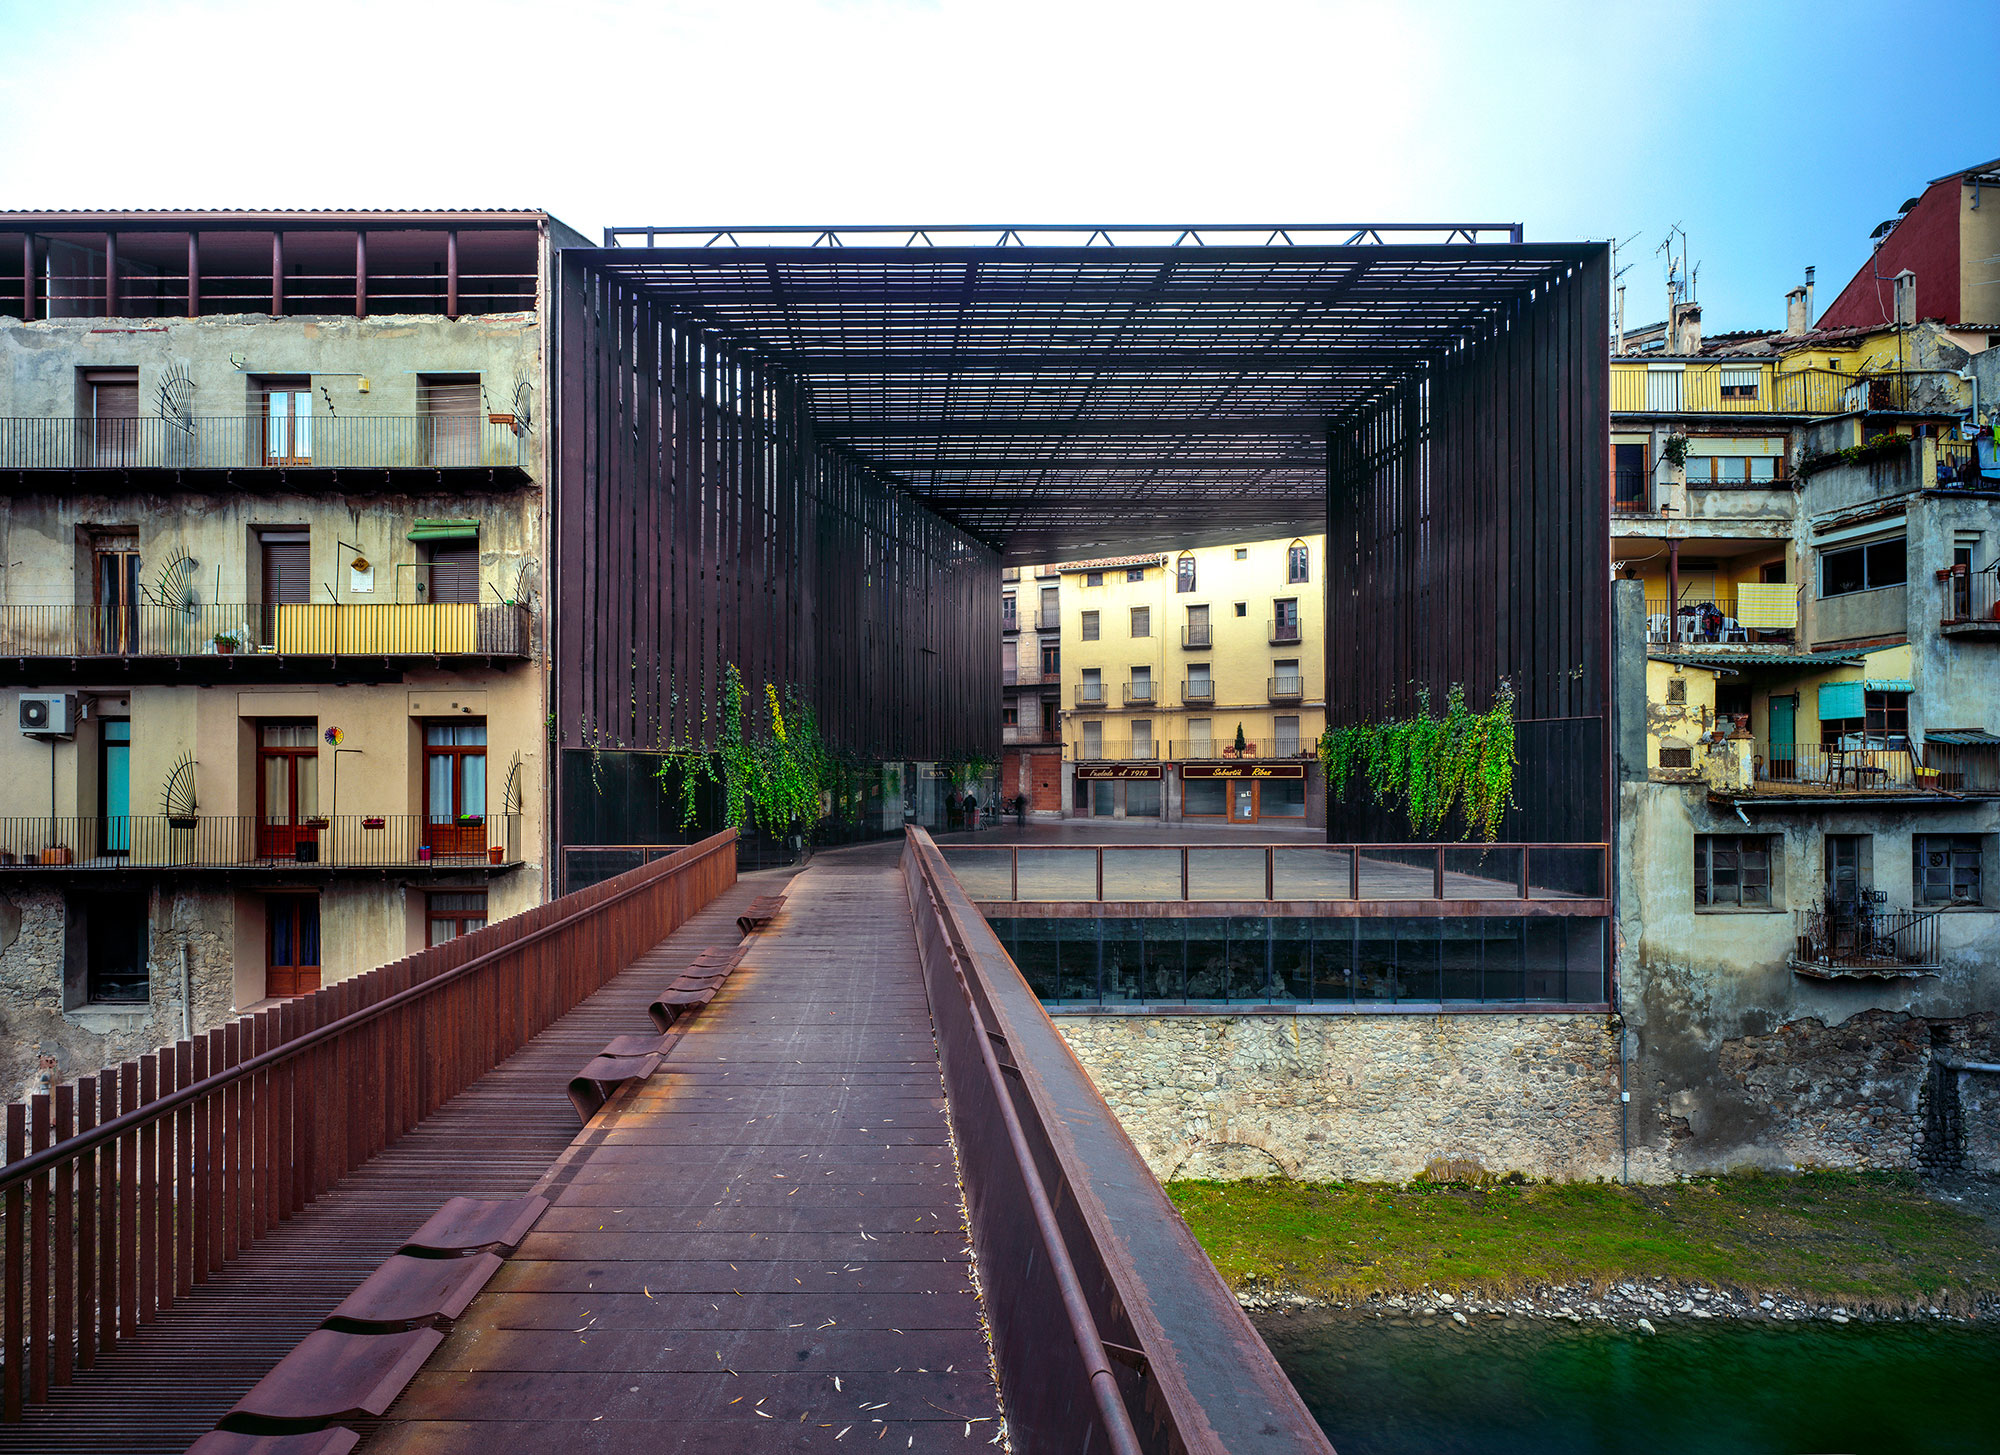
(760, 913)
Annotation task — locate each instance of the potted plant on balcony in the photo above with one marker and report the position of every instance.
(472, 820)
(226, 643)
(497, 854)
(58, 854)
(317, 821)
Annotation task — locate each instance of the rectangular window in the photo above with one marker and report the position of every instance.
(1142, 684)
(1195, 635)
(1010, 656)
(1008, 620)
(1093, 740)
(1297, 566)
(1200, 685)
(1090, 626)
(459, 912)
(1732, 869)
(1281, 798)
(1242, 553)
(1288, 737)
(1135, 573)
(1142, 621)
(1285, 620)
(116, 931)
(287, 569)
(288, 790)
(1010, 716)
(1946, 869)
(1093, 578)
(112, 397)
(1051, 610)
(1846, 867)
(1184, 573)
(118, 594)
(284, 404)
(1863, 568)
(1740, 383)
(1888, 720)
(1142, 738)
(1142, 798)
(1242, 608)
(1091, 688)
(1051, 660)
(1200, 743)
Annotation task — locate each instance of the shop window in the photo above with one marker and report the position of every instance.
(1947, 869)
(1282, 798)
(1732, 870)
(1204, 797)
(1142, 798)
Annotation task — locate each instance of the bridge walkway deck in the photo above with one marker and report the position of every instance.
(158, 1393)
(762, 1247)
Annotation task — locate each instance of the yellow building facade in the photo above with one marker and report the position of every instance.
(1193, 683)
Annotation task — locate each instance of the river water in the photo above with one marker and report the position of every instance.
(1514, 1386)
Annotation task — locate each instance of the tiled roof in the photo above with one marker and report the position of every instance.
(1112, 562)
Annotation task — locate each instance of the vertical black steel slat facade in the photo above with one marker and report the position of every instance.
(698, 524)
(1468, 540)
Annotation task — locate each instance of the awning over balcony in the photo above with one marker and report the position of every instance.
(1889, 684)
(445, 530)
(1961, 738)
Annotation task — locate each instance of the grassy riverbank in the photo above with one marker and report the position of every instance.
(1855, 1237)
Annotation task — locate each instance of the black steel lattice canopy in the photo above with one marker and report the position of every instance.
(1060, 401)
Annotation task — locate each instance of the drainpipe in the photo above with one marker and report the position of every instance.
(1673, 590)
(187, 992)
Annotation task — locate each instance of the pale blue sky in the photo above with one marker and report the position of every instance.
(1778, 133)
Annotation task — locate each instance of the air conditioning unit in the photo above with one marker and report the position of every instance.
(48, 714)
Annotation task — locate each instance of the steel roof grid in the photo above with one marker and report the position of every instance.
(1034, 390)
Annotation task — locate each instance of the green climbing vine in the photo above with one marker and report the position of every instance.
(1432, 765)
(773, 768)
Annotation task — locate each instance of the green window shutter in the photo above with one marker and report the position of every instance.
(1842, 699)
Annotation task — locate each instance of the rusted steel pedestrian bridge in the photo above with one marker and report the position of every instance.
(838, 1185)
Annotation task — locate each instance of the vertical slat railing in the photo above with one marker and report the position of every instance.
(126, 1189)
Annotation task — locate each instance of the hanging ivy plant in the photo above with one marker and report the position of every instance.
(1431, 765)
(775, 774)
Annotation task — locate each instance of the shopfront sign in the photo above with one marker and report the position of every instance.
(1118, 770)
(1243, 770)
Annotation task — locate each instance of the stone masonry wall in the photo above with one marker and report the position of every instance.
(1358, 1097)
(42, 1044)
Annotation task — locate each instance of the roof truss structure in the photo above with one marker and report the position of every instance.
(1063, 392)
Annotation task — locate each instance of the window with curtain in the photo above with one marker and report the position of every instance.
(454, 770)
(450, 915)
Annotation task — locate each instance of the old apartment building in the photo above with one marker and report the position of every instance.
(1031, 759)
(270, 530)
(1193, 684)
(1810, 750)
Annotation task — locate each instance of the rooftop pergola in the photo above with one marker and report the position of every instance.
(1065, 391)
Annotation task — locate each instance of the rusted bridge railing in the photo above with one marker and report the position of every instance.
(125, 1189)
(1111, 1328)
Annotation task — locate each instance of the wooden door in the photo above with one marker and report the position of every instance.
(291, 939)
(455, 789)
(287, 788)
(117, 603)
(285, 421)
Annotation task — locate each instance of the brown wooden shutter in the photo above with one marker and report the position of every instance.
(455, 571)
(287, 573)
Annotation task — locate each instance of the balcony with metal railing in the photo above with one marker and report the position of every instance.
(1870, 764)
(1861, 940)
(1195, 637)
(209, 639)
(1090, 694)
(467, 445)
(1284, 633)
(1740, 387)
(1631, 493)
(1139, 694)
(1198, 694)
(1118, 750)
(1287, 688)
(1751, 618)
(1972, 603)
(404, 842)
(1048, 619)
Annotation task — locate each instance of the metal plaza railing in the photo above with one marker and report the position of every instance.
(1506, 875)
(265, 442)
(1820, 769)
(1862, 940)
(142, 629)
(211, 841)
(1107, 1298)
(126, 1189)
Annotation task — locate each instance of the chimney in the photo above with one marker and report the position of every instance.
(1811, 314)
(1684, 334)
(1796, 319)
(1906, 299)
